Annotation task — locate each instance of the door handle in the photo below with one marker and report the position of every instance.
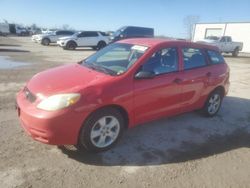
(209, 74)
(177, 80)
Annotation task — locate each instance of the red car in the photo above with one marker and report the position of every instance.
(90, 104)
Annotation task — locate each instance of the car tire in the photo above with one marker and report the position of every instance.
(213, 103)
(235, 52)
(45, 42)
(101, 130)
(101, 45)
(71, 45)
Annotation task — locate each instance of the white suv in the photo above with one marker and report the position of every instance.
(94, 39)
(52, 37)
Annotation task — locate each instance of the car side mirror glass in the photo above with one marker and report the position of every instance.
(144, 75)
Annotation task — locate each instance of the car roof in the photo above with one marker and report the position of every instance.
(152, 42)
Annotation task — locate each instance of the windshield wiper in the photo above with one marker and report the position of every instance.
(100, 68)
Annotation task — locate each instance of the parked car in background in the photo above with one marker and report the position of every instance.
(47, 31)
(130, 82)
(225, 44)
(34, 31)
(21, 31)
(132, 32)
(46, 39)
(94, 39)
(4, 29)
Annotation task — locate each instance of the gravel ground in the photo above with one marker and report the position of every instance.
(183, 151)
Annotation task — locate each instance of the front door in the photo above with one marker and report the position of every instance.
(158, 96)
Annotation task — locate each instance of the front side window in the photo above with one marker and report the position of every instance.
(162, 61)
(215, 57)
(81, 34)
(116, 58)
(193, 58)
(59, 32)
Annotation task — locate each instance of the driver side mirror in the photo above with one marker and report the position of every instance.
(144, 75)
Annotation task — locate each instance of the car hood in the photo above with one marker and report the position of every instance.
(65, 79)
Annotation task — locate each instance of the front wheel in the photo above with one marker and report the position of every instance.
(213, 103)
(101, 130)
(45, 42)
(71, 46)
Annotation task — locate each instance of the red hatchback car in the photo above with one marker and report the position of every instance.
(89, 104)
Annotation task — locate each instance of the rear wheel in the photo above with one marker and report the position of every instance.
(235, 52)
(101, 45)
(45, 42)
(71, 46)
(101, 130)
(213, 103)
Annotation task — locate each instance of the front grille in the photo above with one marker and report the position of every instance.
(28, 95)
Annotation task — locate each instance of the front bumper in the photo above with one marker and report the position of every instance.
(58, 128)
(61, 43)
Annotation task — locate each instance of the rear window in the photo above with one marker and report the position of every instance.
(193, 58)
(215, 57)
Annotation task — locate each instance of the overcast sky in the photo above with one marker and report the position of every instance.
(165, 16)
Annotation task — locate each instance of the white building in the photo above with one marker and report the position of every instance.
(239, 31)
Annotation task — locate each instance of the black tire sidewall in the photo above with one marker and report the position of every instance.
(84, 140)
(101, 45)
(45, 42)
(71, 44)
(236, 52)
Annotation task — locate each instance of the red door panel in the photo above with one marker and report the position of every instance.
(157, 97)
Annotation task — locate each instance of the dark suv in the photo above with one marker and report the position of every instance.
(132, 32)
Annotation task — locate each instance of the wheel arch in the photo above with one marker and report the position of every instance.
(70, 42)
(220, 88)
(47, 39)
(102, 41)
(117, 107)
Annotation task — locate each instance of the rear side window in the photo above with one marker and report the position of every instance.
(193, 58)
(215, 57)
(90, 34)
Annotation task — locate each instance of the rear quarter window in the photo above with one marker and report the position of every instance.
(215, 57)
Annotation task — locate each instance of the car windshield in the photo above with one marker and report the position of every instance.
(119, 31)
(115, 59)
(76, 33)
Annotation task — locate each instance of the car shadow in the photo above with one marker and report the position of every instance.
(12, 50)
(84, 49)
(77, 49)
(240, 56)
(14, 45)
(178, 139)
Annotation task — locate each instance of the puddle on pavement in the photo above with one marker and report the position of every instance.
(6, 63)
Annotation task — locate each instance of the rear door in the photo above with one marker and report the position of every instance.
(195, 77)
(159, 96)
(88, 38)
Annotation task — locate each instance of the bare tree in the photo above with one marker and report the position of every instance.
(189, 22)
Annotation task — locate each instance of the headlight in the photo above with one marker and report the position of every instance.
(57, 102)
